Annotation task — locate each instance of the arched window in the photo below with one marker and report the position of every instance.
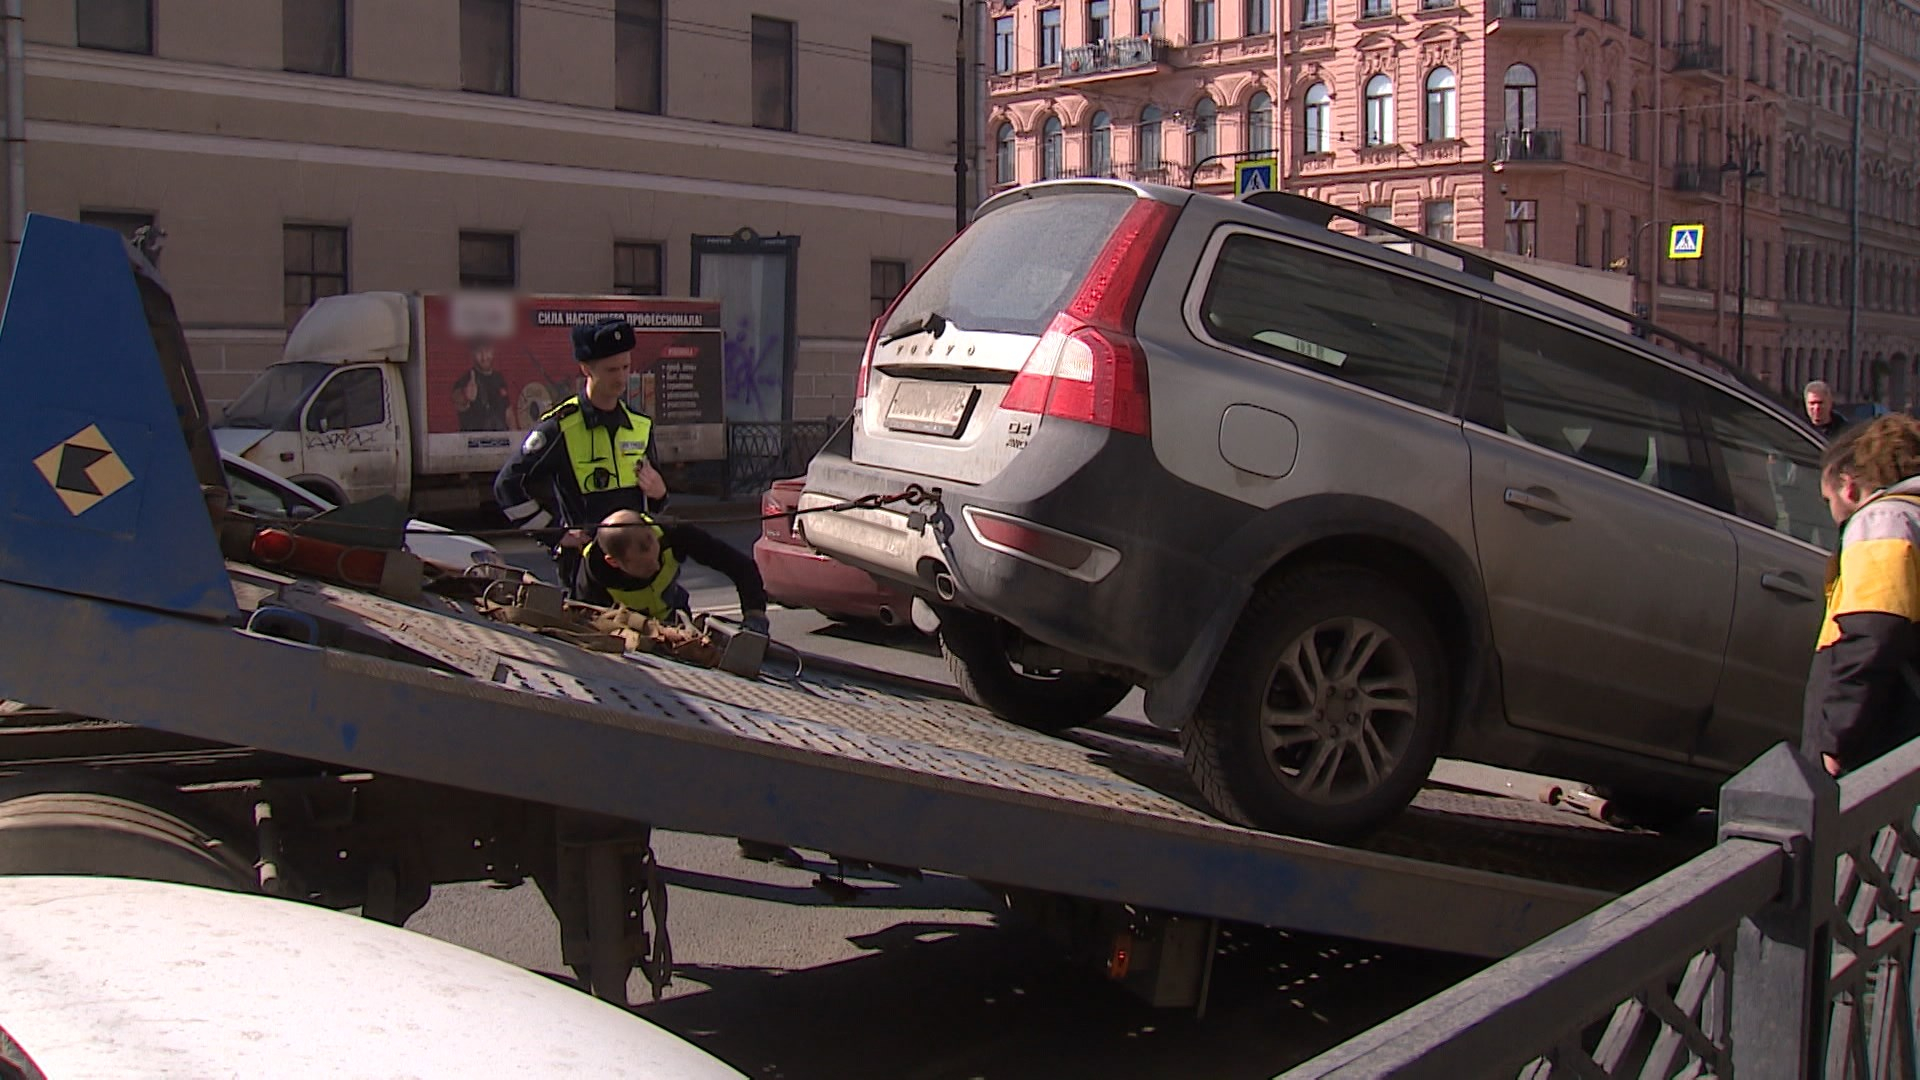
(1317, 123)
(1100, 145)
(1606, 117)
(1582, 111)
(1053, 146)
(1260, 123)
(1146, 144)
(1003, 154)
(1200, 143)
(1443, 105)
(1523, 98)
(1379, 111)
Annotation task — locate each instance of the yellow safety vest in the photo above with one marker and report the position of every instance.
(603, 459)
(649, 601)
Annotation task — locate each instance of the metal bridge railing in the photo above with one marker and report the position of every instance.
(1786, 950)
(760, 453)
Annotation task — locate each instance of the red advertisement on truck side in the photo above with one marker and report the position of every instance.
(494, 363)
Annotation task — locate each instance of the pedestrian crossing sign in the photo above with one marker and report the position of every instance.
(1685, 241)
(1251, 176)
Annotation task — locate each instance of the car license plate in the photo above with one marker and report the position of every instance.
(931, 408)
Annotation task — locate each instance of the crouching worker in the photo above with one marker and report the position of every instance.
(635, 563)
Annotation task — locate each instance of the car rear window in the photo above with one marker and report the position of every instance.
(1016, 267)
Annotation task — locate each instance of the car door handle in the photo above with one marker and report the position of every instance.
(1527, 500)
(1775, 581)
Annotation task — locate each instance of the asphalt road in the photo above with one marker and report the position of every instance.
(921, 979)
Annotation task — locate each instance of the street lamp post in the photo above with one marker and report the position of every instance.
(1743, 157)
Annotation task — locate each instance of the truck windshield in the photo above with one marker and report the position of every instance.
(273, 401)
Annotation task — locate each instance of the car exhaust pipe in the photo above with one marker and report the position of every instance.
(943, 586)
(889, 618)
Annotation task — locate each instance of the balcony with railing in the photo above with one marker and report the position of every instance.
(1115, 56)
(1536, 14)
(1703, 180)
(1528, 145)
(1698, 58)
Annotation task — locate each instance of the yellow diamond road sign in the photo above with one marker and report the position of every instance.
(83, 470)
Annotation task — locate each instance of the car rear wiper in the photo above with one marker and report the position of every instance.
(934, 323)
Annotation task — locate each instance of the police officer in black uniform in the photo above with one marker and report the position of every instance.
(588, 456)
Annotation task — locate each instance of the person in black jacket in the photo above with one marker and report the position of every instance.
(635, 562)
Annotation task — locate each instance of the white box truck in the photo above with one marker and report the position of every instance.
(423, 395)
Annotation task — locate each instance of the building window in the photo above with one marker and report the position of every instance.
(1050, 37)
(1753, 54)
(1379, 111)
(1583, 110)
(1200, 140)
(1436, 220)
(486, 46)
(1606, 241)
(772, 74)
(1523, 98)
(1201, 27)
(1259, 17)
(1053, 146)
(1260, 123)
(1523, 220)
(1378, 212)
(1100, 145)
(1632, 261)
(1003, 45)
(1313, 13)
(114, 25)
(636, 269)
(313, 264)
(886, 279)
(1375, 9)
(1149, 18)
(1003, 155)
(1317, 123)
(1099, 20)
(889, 93)
(1147, 139)
(1442, 105)
(1606, 117)
(639, 55)
(1580, 235)
(313, 36)
(1633, 127)
(487, 261)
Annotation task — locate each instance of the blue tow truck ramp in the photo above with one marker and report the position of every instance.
(128, 632)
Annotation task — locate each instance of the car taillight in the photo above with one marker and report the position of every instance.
(321, 558)
(1088, 366)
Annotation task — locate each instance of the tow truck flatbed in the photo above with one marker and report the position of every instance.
(126, 612)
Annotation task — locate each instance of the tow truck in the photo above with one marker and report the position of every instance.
(196, 716)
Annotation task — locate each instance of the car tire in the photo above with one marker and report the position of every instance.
(1284, 738)
(976, 649)
(58, 821)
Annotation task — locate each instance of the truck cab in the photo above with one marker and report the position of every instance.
(332, 415)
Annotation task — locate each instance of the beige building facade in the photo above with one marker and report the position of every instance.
(296, 148)
(1576, 131)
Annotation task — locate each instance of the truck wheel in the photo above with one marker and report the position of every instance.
(112, 826)
(976, 650)
(1326, 710)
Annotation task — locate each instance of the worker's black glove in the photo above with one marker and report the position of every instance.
(756, 621)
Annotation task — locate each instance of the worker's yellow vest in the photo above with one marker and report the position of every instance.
(603, 459)
(652, 600)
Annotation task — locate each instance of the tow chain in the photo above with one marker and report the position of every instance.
(912, 495)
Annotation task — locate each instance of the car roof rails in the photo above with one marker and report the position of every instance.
(1316, 212)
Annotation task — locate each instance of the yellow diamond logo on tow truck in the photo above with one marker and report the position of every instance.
(83, 470)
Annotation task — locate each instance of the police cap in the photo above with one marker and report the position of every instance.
(598, 340)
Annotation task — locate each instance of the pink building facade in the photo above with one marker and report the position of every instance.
(1575, 131)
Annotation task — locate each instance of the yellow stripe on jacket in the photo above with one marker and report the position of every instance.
(1878, 568)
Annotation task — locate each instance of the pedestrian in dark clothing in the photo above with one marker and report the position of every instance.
(1863, 692)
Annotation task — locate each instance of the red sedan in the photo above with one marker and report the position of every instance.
(798, 576)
